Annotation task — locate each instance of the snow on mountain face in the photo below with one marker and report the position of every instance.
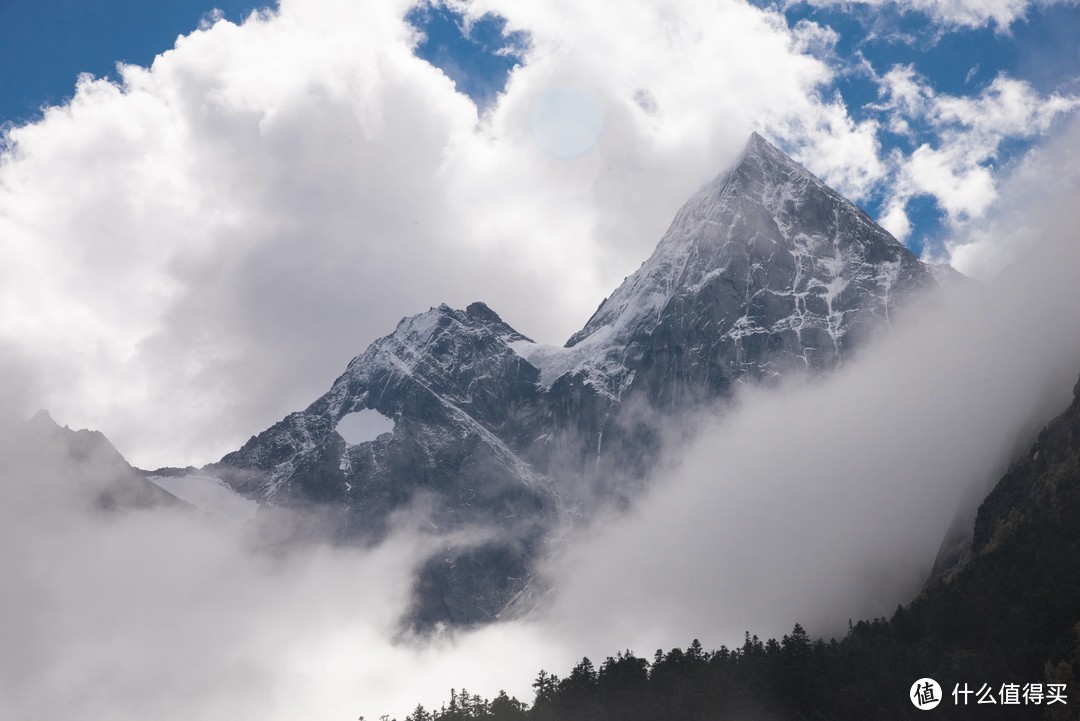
(762, 270)
(444, 369)
(765, 268)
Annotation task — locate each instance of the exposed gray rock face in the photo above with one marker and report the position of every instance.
(1047, 471)
(764, 270)
(459, 399)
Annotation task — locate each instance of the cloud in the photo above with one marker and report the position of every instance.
(904, 91)
(197, 249)
(846, 153)
(962, 187)
(173, 614)
(815, 38)
(956, 167)
(1007, 107)
(955, 13)
(1016, 227)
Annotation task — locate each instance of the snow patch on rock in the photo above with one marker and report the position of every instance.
(209, 494)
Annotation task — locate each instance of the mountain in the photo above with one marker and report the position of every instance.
(84, 462)
(462, 405)
(765, 271)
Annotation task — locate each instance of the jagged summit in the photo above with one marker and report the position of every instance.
(759, 153)
(78, 445)
(442, 368)
(42, 419)
(422, 328)
(762, 167)
(480, 309)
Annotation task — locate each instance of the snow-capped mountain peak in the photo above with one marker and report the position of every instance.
(763, 270)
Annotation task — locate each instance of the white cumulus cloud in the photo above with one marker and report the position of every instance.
(953, 161)
(955, 13)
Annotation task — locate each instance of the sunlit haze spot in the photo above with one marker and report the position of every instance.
(567, 121)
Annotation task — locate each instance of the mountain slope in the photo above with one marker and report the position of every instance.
(1007, 626)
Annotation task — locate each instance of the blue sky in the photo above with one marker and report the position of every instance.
(1041, 49)
(478, 55)
(45, 44)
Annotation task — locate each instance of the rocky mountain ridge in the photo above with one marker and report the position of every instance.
(765, 271)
